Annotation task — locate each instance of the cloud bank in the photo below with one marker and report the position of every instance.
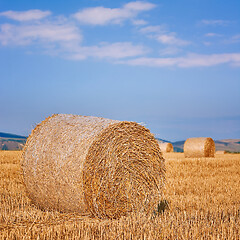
(215, 22)
(191, 60)
(64, 36)
(104, 16)
(163, 36)
(30, 15)
(44, 32)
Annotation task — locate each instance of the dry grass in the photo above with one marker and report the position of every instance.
(203, 196)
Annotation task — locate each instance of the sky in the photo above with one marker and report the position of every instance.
(173, 66)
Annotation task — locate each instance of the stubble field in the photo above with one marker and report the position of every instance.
(203, 197)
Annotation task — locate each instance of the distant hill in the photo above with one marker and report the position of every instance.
(162, 140)
(229, 145)
(9, 135)
(10, 141)
(178, 146)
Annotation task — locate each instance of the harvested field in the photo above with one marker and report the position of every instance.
(203, 196)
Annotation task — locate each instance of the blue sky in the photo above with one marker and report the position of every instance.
(173, 66)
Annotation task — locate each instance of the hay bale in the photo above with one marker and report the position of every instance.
(166, 147)
(199, 147)
(220, 152)
(93, 165)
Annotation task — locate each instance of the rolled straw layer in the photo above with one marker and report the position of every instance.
(199, 147)
(166, 147)
(93, 165)
(220, 152)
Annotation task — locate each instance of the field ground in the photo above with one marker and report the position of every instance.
(203, 196)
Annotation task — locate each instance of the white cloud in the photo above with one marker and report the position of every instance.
(30, 15)
(153, 29)
(110, 50)
(47, 32)
(139, 6)
(206, 43)
(160, 33)
(236, 37)
(215, 22)
(213, 35)
(191, 60)
(65, 40)
(138, 22)
(103, 16)
(171, 39)
(169, 51)
(232, 40)
(63, 37)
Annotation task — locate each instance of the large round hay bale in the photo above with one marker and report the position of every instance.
(93, 165)
(166, 147)
(199, 147)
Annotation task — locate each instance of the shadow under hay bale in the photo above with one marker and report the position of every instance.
(199, 147)
(166, 147)
(93, 165)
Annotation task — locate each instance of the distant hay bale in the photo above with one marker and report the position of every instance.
(220, 152)
(166, 147)
(199, 147)
(93, 165)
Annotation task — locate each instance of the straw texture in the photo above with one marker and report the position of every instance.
(93, 165)
(166, 147)
(199, 147)
(220, 152)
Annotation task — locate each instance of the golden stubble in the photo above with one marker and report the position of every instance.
(203, 196)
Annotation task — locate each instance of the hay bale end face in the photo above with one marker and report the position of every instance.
(199, 147)
(166, 147)
(93, 165)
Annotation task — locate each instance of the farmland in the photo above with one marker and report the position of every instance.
(202, 194)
